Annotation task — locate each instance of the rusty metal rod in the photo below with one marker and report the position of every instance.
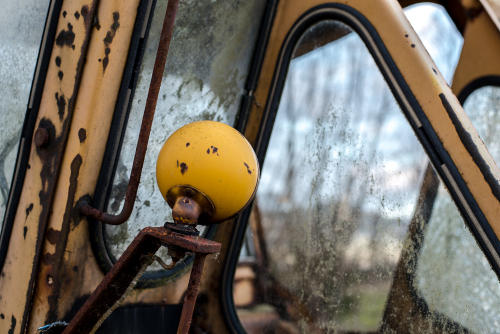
(191, 293)
(129, 267)
(147, 121)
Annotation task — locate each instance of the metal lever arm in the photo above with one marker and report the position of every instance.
(130, 264)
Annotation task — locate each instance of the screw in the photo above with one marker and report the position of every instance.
(42, 137)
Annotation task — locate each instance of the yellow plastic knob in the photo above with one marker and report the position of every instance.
(211, 161)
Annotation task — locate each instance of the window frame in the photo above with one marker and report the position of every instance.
(413, 112)
(487, 80)
(28, 129)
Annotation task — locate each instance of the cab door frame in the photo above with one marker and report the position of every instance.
(436, 116)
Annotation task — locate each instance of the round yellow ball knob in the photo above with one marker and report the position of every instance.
(208, 164)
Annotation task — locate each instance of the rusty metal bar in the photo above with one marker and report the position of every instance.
(191, 294)
(118, 281)
(147, 121)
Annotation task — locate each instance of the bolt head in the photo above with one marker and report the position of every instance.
(42, 137)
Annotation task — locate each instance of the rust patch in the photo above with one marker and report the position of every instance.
(77, 15)
(85, 11)
(413, 45)
(248, 168)
(184, 168)
(50, 157)
(82, 135)
(116, 282)
(66, 37)
(53, 236)
(109, 39)
(58, 61)
(25, 230)
(29, 166)
(13, 322)
(60, 272)
(28, 210)
(208, 151)
(42, 137)
(406, 35)
(2, 316)
(214, 150)
(64, 14)
(60, 74)
(61, 105)
(105, 60)
(177, 163)
(48, 259)
(187, 144)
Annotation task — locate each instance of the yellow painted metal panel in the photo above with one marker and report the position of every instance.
(480, 53)
(68, 269)
(417, 68)
(29, 226)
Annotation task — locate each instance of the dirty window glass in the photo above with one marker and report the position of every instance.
(442, 277)
(351, 229)
(207, 65)
(483, 108)
(21, 23)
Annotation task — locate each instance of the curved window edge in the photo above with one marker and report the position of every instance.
(487, 80)
(439, 157)
(25, 141)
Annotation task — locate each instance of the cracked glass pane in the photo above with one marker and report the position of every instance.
(351, 230)
(21, 23)
(207, 65)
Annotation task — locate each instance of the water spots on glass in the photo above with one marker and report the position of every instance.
(350, 229)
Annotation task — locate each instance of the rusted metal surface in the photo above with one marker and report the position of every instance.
(189, 204)
(42, 137)
(119, 279)
(186, 211)
(147, 121)
(55, 113)
(66, 273)
(114, 285)
(191, 293)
